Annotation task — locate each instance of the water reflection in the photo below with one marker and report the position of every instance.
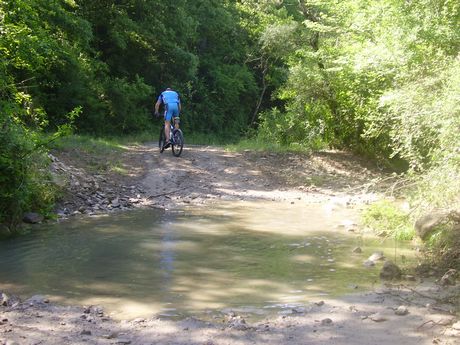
(259, 257)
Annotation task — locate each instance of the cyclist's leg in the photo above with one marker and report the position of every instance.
(168, 116)
(173, 111)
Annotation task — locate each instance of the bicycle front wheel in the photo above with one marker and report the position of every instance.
(178, 142)
(162, 139)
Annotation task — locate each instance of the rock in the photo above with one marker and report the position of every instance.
(112, 335)
(401, 310)
(377, 256)
(4, 299)
(449, 278)
(115, 202)
(237, 322)
(377, 317)
(85, 332)
(426, 224)
(456, 326)
(37, 299)
(357, 250)
(32, 218)
(326, 322)
(320, 303)
(390, 271)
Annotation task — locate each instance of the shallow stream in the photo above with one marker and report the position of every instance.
(258, 258)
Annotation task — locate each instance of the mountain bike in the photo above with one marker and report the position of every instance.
(177, 138)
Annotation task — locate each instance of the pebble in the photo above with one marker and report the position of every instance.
(377, 317)
(401, 310)
(326, 321)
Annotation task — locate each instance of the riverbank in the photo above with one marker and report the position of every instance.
(394, 314)
(403, 312)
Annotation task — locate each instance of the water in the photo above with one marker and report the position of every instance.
(257, 257)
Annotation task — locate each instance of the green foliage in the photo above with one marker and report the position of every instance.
(443, 249)
(387, 217)
(24, 178)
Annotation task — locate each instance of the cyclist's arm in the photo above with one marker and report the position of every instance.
(157, 106)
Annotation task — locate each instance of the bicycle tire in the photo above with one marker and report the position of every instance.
(178, 142)
(162, 139)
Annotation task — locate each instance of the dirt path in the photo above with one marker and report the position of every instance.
(204, 175)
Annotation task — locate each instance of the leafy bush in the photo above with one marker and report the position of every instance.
(24, 177)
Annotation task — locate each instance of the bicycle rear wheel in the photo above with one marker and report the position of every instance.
(178, 142)
(162, 139)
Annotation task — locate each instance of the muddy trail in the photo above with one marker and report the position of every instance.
(400, 312)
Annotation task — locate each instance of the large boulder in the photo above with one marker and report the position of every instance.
(428, 223)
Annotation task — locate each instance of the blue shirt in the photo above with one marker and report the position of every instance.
(169, 96)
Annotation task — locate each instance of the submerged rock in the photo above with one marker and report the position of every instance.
(390, 271)
(377, 256)
(32, 218)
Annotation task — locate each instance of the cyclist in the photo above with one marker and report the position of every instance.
(172, 107)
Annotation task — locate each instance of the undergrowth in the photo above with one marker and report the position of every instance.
(387, 217)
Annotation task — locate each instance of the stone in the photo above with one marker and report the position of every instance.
(4, 299)
(377, 256)
(377, 317)
(425, 225)
(357, 250)
(390, 271)
(37, 299)
(326, 322)
(456, 326)
(85, 332)
(111, 335)
(32, 218)
(401, 310)
(449, 278)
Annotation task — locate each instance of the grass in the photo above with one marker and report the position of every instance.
(256, 144)
(99, 155)
(386, 216)
(88, 144)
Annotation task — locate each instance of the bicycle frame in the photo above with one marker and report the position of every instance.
(176, 138)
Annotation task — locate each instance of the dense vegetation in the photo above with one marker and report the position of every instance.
(381, 77)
